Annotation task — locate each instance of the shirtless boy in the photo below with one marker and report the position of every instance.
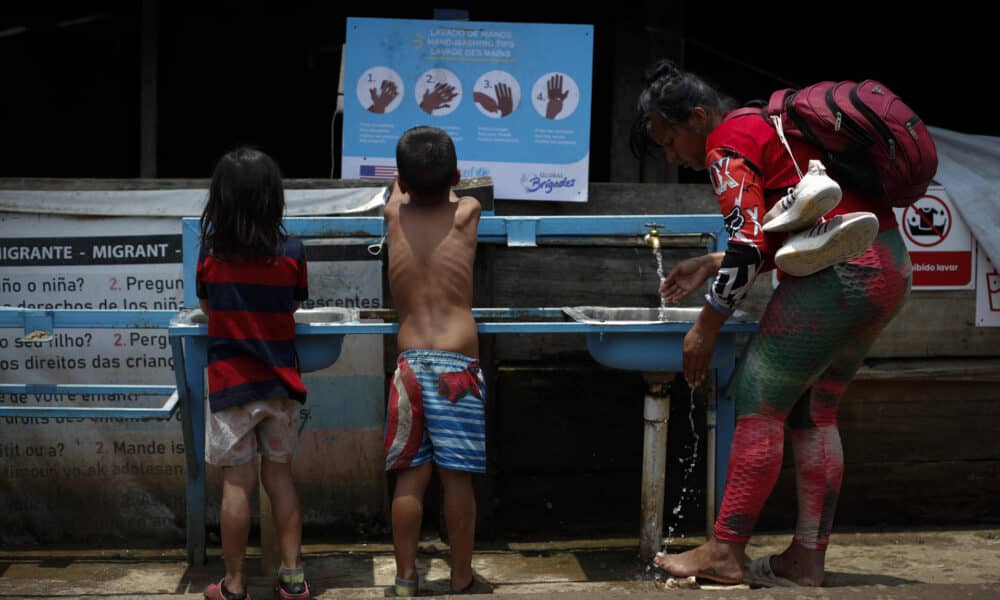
(435, 414)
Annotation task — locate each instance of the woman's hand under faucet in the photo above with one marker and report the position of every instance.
(688, 275)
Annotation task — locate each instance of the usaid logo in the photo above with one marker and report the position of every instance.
(534, 182)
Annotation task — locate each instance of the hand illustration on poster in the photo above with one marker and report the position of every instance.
(438, 92)
(380, 100)
(555, 96)
(497, 94)
(503, 104)
(380, 90)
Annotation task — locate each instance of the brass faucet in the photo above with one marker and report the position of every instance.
(652, 239)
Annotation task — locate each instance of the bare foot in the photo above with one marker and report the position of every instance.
(801, 565)
(713, 560)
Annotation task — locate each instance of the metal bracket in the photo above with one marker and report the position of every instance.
(522, 233)
(38, 325)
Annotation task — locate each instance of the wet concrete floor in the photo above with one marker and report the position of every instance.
(911, 564)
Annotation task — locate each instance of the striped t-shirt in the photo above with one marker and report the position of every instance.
(251, 328)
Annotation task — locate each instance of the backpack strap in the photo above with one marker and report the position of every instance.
(777, 100)
(776, 121)
(746, 111)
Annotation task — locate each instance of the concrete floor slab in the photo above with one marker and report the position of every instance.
(913, 564)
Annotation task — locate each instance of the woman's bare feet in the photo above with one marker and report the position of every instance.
(801, 565)
(713, 560)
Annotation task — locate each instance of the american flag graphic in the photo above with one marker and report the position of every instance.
(378, 171)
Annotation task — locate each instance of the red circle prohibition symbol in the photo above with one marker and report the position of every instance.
(918, 222)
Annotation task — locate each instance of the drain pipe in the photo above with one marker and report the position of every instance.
(656, 415)
(711, 422)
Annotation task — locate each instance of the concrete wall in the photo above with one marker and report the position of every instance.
(565, 433)
(109, 480)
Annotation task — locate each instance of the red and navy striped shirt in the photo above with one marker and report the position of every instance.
(251, 328)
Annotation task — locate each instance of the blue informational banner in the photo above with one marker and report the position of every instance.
(514, 97)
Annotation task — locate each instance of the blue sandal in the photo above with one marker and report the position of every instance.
(405, 588)
(291, 584)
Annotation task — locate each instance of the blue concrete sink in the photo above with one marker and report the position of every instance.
(637, 339)
(316, 350)
(319, 351)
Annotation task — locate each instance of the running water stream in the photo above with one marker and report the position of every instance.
(687, 493)
(663, 279)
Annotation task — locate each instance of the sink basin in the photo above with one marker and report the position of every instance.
(329, 314)
(316, 350)
(631, 314)
(319, 351)
(638, 339)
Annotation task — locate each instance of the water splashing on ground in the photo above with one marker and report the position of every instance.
(687, 493)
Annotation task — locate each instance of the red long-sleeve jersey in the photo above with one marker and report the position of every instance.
(750, 170)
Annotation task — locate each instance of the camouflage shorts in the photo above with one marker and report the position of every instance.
(234, 434)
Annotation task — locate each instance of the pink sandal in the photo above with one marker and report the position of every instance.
(218, 591)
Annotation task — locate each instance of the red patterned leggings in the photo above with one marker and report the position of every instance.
(810, 342)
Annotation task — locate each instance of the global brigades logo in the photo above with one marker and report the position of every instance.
(546, 182)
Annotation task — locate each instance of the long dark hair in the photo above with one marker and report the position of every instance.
(246, 201)
(672, 92)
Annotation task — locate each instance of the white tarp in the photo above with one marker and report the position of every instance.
(78, 479)
(180, 202)
(969, 168)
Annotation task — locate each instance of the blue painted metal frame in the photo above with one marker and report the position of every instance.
(48, 320)
(513, 231)
(190, 345)
(17, 318)
(502, 324)
(164, 412)
(189, 342)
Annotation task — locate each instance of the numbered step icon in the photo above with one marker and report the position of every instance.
(555, 96)
(438, 92)
(497, 94)
(380, 90)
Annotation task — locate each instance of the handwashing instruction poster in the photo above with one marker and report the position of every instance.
(514, 97)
